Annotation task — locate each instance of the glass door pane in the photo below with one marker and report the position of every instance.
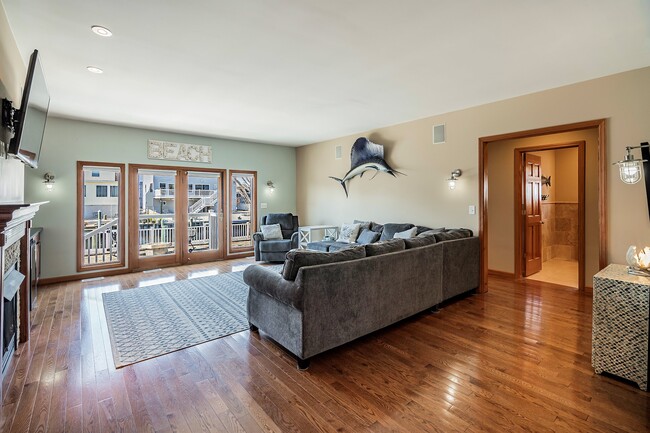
(156, 217)
(100, 212)
(203, 219)
(242, 211)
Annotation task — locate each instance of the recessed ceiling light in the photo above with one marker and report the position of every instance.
(95, 70)
(101, 31)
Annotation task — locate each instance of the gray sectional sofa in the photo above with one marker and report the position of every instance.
(322, 300)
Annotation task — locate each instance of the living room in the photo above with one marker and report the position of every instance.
(294, 126)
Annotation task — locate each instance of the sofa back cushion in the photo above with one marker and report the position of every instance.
(431, 232)
(296, 259)
(453, 234)
(391, 228)
(384, 247)
(368, 237)
(419, 241)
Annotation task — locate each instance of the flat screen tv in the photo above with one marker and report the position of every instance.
(30, 122)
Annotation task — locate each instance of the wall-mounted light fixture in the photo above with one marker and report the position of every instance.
(630, 168)
(451, 182)
(270, 186)
(49, 181)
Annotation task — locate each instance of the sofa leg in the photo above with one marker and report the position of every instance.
(252, 327)
(434, 309)
(303, 364)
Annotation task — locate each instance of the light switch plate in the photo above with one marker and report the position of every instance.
(263, 206)
(472, 210)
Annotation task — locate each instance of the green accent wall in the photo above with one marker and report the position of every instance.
(67, 141)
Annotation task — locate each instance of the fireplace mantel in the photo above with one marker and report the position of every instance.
(15, 225)
(13, 214)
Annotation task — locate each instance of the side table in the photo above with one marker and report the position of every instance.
(306, 231)
(621, 308)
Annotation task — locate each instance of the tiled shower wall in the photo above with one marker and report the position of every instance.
(560, 231)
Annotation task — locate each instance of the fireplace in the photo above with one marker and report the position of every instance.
(15, 225)
(11, 283)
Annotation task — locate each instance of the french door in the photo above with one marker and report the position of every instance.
(175, 215)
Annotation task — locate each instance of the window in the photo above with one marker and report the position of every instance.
(100, 217)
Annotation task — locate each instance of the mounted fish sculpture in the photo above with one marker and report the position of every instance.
(365, 155)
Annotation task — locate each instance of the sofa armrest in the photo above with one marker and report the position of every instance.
(295, 240)
(258, 236)
(271, 283)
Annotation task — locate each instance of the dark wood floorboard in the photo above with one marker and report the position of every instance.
(517, 358)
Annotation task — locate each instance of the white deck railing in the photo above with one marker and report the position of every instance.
(241, 231)
(101, 244)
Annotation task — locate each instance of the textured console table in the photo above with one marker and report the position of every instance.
(621, 309)
(305, 233)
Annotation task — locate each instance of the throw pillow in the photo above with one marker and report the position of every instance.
(419, 241)
(376, 227)
(297, 259)
(348, 233)
(406, 234)
(391, 228)
(384, 247)
(363, 225)
(271, 232)
(368, 237)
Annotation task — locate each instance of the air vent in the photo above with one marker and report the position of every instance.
(338, 152)
(438, 134)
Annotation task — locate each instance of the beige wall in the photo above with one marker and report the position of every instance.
(12, 75)
(422, 196)
(566, 163)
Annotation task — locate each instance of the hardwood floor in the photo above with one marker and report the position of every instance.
(514, 359)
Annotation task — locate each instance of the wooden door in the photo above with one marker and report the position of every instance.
(533, 214)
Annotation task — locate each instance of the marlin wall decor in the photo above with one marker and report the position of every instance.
(365, 155)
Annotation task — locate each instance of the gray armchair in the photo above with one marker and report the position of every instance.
(275, 250)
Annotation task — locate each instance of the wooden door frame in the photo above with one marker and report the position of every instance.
(244, 251)
(483, 142)
(519, 195)
(180, 196)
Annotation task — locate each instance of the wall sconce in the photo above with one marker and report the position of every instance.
(270, 186)
(630, 168)
(49, 181)
(454, 177)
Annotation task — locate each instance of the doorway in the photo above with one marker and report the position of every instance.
(597, 186)
(175, 215)
(550, 213)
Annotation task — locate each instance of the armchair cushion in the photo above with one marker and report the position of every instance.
(275, 246)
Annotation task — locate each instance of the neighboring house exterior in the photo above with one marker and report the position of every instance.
(101, 194)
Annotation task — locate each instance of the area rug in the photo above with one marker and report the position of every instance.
(151, 321)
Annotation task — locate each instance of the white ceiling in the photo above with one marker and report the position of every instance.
(301, 71)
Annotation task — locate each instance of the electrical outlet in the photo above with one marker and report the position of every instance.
(263, 206)
(472, 210)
